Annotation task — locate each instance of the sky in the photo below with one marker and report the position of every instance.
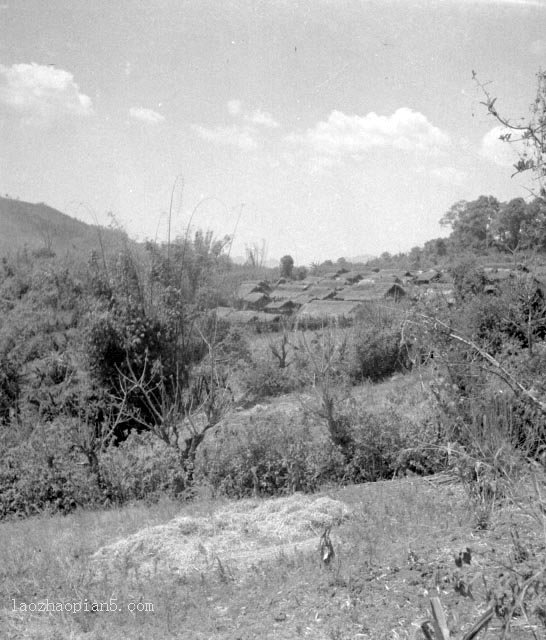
(320, 129)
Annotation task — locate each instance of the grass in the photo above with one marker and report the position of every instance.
(395, 551)
(371, 591)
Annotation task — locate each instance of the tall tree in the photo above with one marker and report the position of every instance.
(507, 228)
(287, 266)
(471, 222)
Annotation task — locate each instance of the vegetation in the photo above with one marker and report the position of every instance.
(120, 383)
(287, 266)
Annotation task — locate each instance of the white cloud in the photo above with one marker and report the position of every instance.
(258, 117)
(538, 47)
(42, 92)
(449, 175)
(146, 115)
(234, 107)
(234, 135)
(248, 131)
(405, 129)
(503, 153)
(262, 118)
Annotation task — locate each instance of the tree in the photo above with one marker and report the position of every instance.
(287, 266)
(415, 256)
(342, 263)
(433, 249)
(300, 273)
(471, 222)
(180, 412)
(255, 254)
(533, 230)
(531, 134)
(509, 224)
(468, 277)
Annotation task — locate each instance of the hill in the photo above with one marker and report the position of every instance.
(40, 227)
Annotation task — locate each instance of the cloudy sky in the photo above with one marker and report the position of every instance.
(328, 128)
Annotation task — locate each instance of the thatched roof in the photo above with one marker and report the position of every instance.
(246, 288)
(267, 318)
(255, 298)
(320, 292)
(309, 280)
(280, 306)
(330, 282)
(385, 276)
(223, 313)
(399, 273)
(288, 291)
(377, 291)
(496, 275)
(253, 317)
(245, 317)
(369, 280)
(427, 276)
(328, 309)
(352, 276)
(439, 290)
(303, 298)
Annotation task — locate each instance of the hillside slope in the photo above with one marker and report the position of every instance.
(37, 226)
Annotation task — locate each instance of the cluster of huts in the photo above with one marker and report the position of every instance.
(338, 295)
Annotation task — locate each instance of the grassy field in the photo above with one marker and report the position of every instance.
(256, 571)
(393, 553)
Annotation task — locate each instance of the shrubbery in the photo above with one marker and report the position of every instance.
(43, 473)
(268, 454)
(386, 444)
(377, 348)
(376, 353)
(141, 467)
(10, 389)
(274, 453)
(263, 378)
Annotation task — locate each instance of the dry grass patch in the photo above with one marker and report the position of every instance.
(235, 536)
(395, 547)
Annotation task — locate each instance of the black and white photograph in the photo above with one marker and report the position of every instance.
(273, 319)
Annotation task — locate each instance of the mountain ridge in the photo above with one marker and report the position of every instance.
(37, 226)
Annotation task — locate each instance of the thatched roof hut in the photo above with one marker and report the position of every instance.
(328, 309)
(246, 288)
(246, 317)
(372, 292)
(498, 275)
(426, 277)
(351, 277)
(256, 300)
(288, 291)
(321, 292)
(281, 306)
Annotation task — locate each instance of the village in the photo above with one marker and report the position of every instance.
(338, 295)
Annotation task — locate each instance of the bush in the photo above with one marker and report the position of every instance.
(10, 389)
(44, 474)
(141, 467)
(376, 352)
(270, 456)
(387, 444)
(263, 378)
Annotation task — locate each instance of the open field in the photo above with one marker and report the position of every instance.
(394, 551)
